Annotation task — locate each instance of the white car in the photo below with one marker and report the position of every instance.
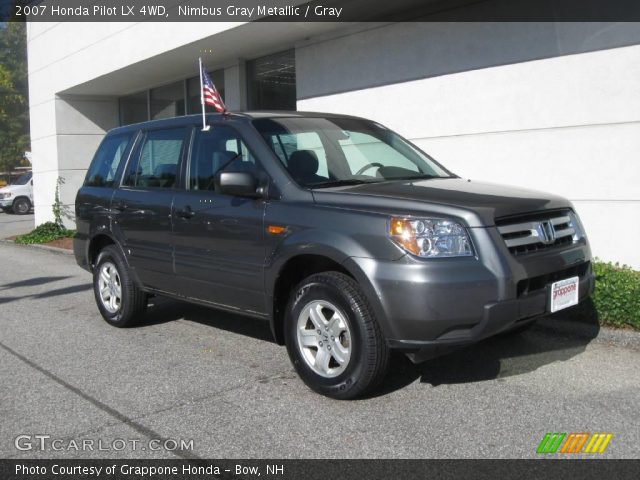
(18, 197)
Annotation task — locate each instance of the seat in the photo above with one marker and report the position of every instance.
(303, 167)
(166, 174)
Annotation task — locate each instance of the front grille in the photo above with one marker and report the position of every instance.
(539, 231)
(532, 284)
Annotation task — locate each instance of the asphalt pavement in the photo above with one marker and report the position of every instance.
(193, 374)
(11, 224)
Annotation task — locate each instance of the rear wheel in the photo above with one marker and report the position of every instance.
(333, 338)
(119, 300)
(21, 206)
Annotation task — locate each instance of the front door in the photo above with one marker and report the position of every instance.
(142, 206)
(218, 239)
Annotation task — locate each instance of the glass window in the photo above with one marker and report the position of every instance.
(220, 148)
(193, 91)
(271, 82)
(133, 109)
(321, 152)
(23, 179)
(102, 171)
(167, 101)
(159, 160)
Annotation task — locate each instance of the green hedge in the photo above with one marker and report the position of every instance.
(47, 232)
(617, 295)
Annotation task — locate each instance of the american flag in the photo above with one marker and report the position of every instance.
(210, 94)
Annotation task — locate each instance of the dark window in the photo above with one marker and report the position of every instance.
(102, 171)
(159, 159)
(193, 91)
(219, 148)
(167, 101)
(133, 109)
(271, 82)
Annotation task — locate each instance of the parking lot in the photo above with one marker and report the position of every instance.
(219, 380)
(11, 224)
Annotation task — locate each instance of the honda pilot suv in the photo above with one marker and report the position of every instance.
(349, 240)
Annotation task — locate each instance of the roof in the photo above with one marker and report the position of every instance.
(247, 116)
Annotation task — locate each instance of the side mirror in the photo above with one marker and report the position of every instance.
(239, 184)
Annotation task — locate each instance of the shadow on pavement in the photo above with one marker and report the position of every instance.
(500, 356)
(31, 282)
(162, 310)
(494, 358)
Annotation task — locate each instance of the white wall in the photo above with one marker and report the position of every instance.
(568, 125)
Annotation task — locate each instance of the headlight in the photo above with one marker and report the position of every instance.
(578, 229)
(431, 237)
(5, 195)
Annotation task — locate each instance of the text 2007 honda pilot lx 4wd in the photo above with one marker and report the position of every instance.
(347, 238)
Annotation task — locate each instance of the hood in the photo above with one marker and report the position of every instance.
(484, 201)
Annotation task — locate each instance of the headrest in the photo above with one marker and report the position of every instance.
(166, 170)
(303, 162)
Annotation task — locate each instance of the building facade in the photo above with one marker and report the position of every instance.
(548, 106)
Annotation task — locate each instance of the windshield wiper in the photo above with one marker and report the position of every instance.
(418, 177)
(340, 183)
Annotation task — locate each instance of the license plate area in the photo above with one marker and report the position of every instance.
(564, 294)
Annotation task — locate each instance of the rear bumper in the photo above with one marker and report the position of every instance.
(430, 306)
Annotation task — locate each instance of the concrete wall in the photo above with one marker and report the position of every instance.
(548, 106)
(567, 124)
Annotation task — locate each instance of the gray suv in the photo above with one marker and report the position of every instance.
(349, 240)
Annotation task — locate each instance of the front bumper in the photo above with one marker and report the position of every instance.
(433, 305)
(6, 202)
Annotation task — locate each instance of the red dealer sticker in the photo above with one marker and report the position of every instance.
(564, 293)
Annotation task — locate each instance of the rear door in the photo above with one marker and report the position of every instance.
(142, 206)
(218, 239)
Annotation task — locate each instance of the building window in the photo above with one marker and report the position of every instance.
(193, 91)
(167, 101)
(134, 108)
(271, 82)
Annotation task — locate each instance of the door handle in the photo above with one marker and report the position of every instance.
(185, 212)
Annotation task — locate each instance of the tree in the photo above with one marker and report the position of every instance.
(14, 88)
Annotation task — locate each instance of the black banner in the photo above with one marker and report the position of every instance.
(318, 10)
(318, 469)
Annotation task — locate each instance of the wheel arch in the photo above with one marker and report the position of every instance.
(291, 272)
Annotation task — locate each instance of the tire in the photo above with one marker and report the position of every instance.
(21, 206)
(357, 352)
(123, 303)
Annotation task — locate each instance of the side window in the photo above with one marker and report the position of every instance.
(220, 148)
(158, 162)
(104, 166)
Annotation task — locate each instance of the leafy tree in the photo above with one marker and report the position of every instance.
(14, 88)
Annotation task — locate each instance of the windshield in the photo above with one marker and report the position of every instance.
(324, 152)
(22, 179)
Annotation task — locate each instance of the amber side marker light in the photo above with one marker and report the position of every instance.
(275, 229)
(404, 234)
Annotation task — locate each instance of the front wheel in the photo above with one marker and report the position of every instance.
(119, 300)
(333, 338)
(21, 206)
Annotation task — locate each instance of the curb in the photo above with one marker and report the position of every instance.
(59, 251)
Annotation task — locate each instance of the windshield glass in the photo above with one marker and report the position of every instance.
(22, 179)
(324, 152)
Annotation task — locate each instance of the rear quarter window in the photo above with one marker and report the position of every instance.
(103, 169)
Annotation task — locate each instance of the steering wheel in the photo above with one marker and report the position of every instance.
(368, 166)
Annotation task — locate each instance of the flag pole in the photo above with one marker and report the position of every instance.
(205, 127)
